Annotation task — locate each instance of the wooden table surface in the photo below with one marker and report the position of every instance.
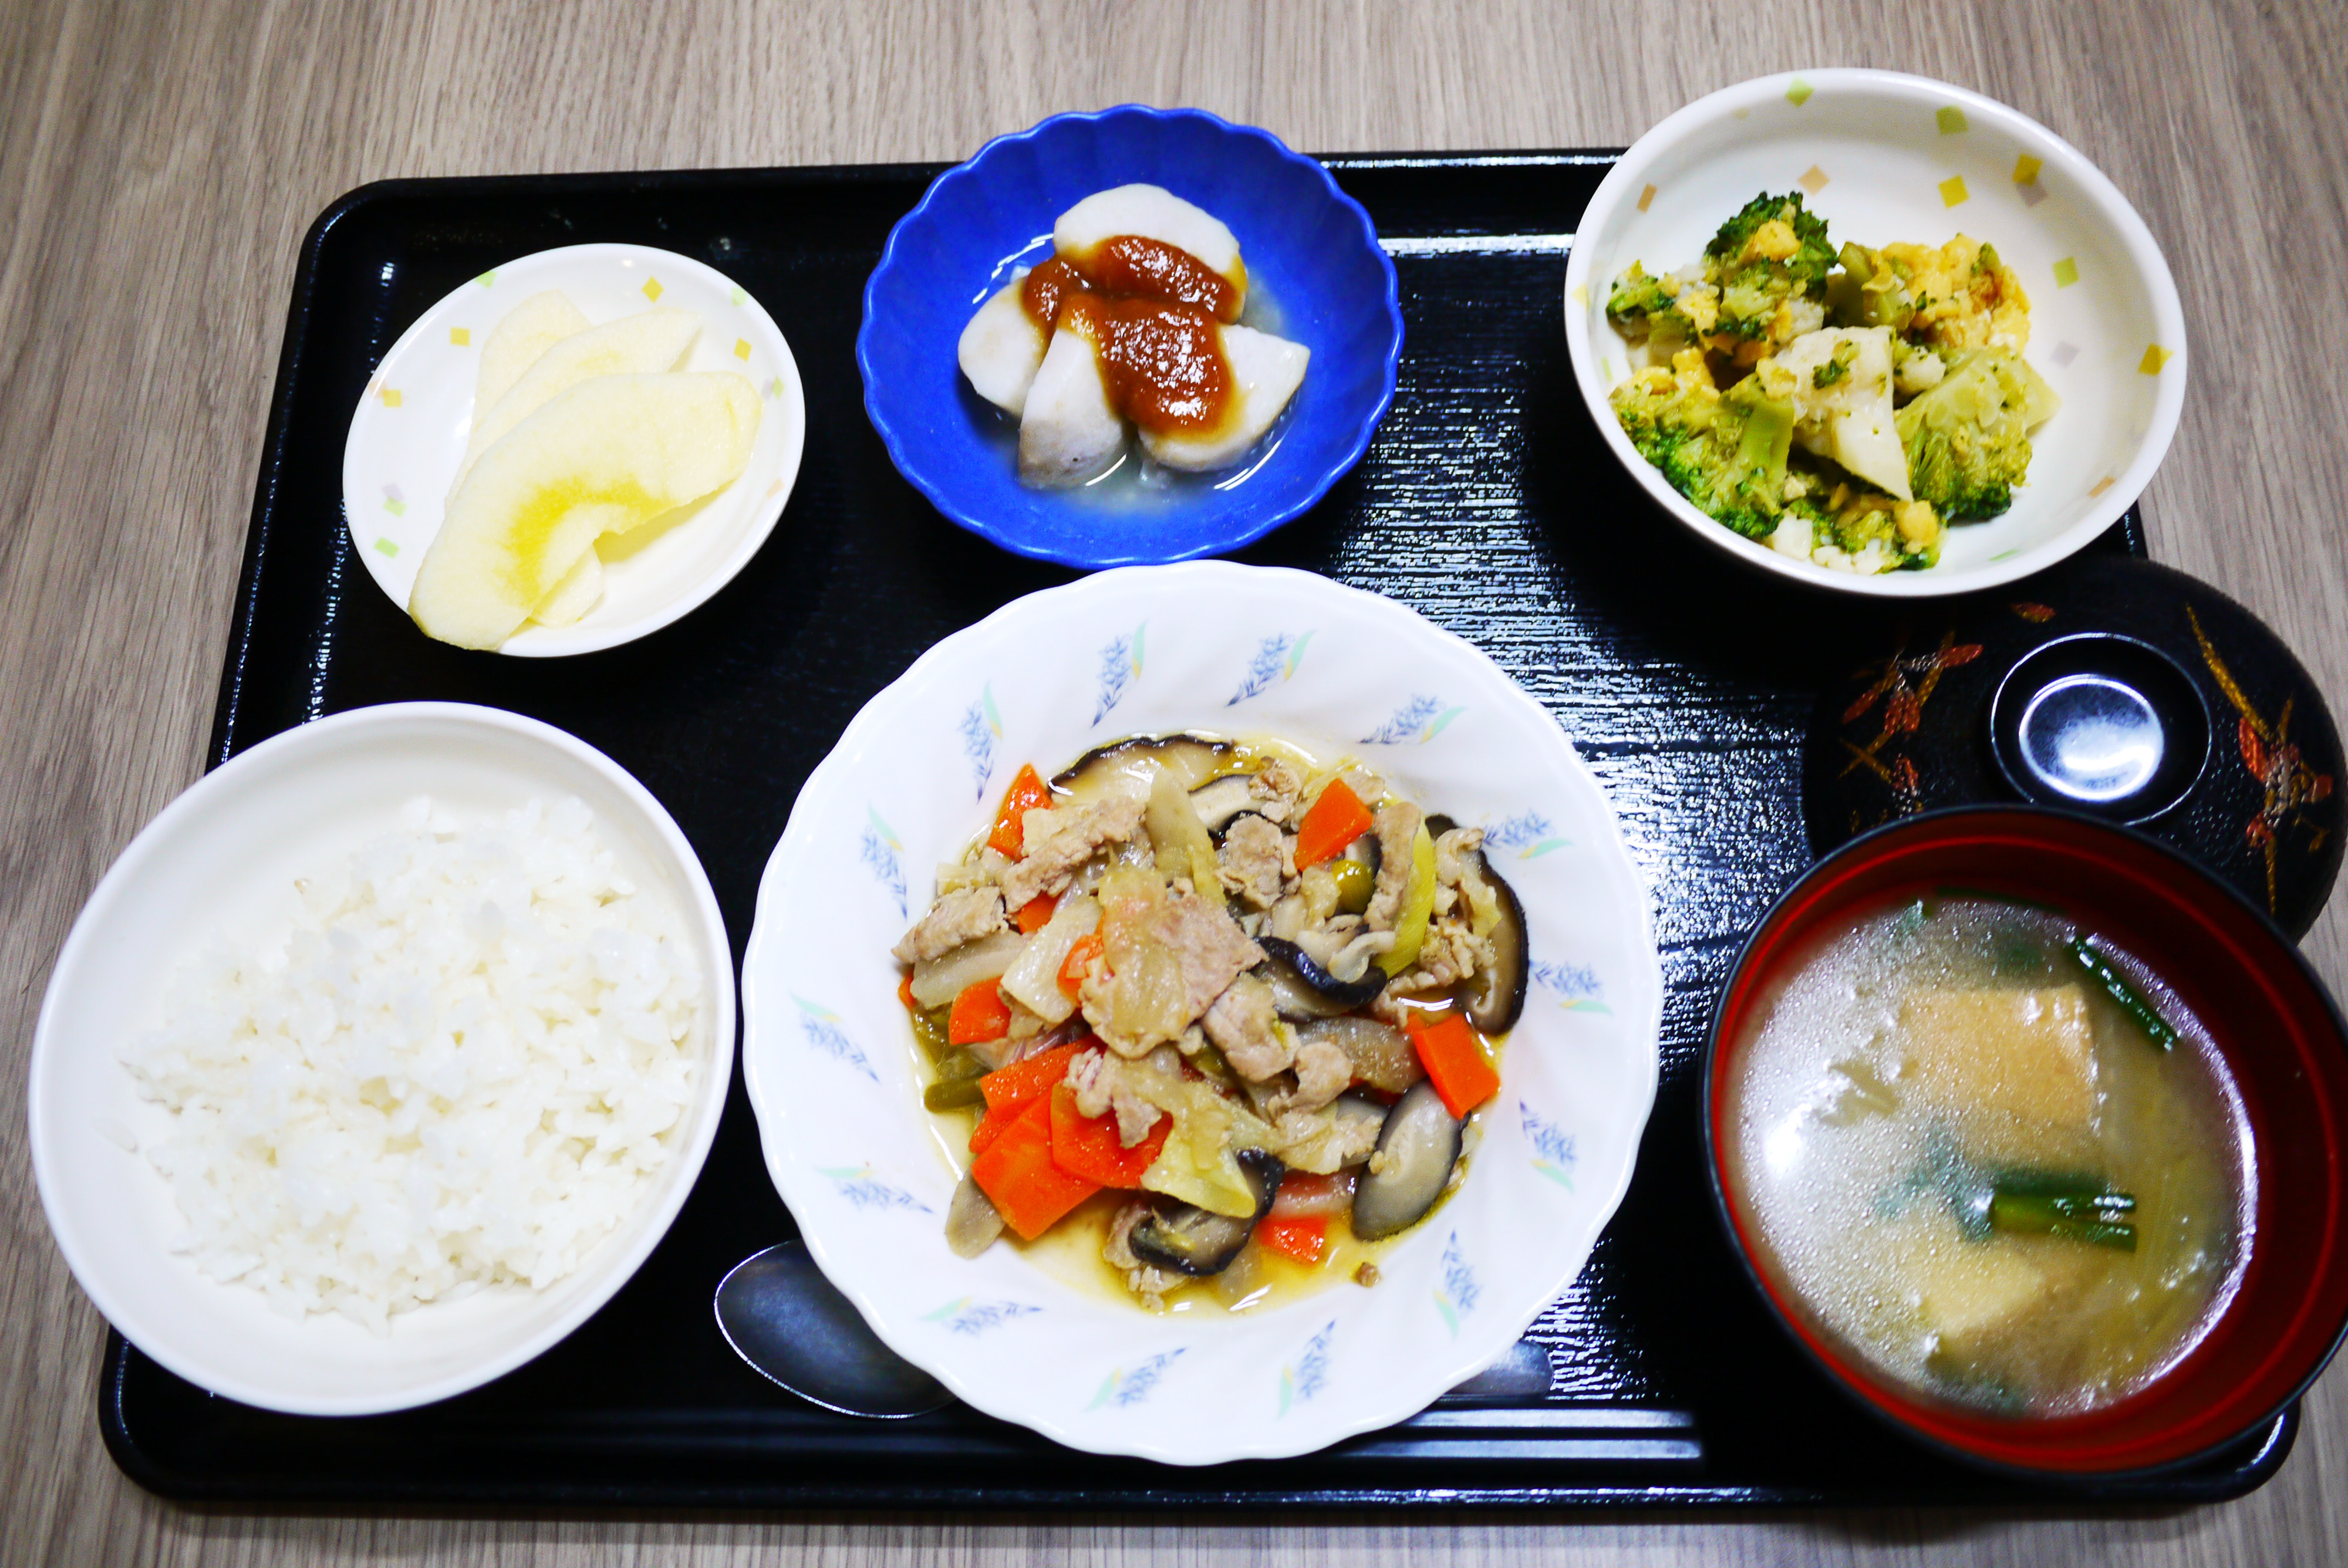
(158, 163)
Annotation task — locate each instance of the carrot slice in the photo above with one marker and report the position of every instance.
(979, 1014)
(1034, 913)
(1014, 1086)
(1454, 1058)
(1016, 1173)
(1081, 959)
(993, 1124)
(1026, 792)
(1336, 819)
(905, 994)
(1304, 1237)
(1091, 1147)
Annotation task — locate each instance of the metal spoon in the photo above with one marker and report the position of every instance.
(789, 1323)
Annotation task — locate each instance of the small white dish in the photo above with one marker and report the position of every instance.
(222, 859)
(1885, 157)
(407, 436)
(830, 1062)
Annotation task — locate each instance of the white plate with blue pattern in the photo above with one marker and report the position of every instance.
(832, 1069)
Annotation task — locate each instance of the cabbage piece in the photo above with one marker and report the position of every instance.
(1033, 978)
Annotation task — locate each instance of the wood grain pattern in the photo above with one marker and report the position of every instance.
(158, 163)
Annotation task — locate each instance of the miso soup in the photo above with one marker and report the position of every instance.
(1992, 1154)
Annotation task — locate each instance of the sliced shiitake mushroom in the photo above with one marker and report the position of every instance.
(1416, 1149)
(1494, 995)
(1191, 760)
(971, 1220)
(1301, 984)
(1218, 801)
(1191, 1240)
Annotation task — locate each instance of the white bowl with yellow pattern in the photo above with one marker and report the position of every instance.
(1882, 158)
(831, 1064)
(408, 435)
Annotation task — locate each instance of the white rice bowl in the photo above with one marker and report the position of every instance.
(359, 1215)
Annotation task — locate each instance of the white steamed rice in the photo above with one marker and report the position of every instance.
(462, 1066)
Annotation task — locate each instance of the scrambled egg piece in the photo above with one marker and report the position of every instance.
(1965, 296)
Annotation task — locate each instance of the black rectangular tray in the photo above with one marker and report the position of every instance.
(1487, 502)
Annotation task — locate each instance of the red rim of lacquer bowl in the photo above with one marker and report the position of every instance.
(2283, 1043)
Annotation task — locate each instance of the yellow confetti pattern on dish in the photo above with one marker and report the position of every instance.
(775, 387)
(390, 396)
(1799, 93)
(1953, 191)
(1646, 199)
(390, 550)
(1814, 180)
(2066, 271)
(742, 348)
(774, 489)
(740, 296)
(1951, 121)
(462, 336)
(2025, 169)
(1581, 296)
(2154, 358)
(394, 505)
(486, 279)
(2106, 483)
(653, 289)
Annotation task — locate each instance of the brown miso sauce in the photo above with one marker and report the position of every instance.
(1130, 267)
(1047, 288)
(1162, 364)
(1149, 311)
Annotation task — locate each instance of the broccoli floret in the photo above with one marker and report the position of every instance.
(1968, 438)
(1635, 297)
(1642, 308)
(1771, 252)
(1905, 536)
(1723, 451)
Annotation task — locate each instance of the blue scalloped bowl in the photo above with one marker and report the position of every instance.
(1312, 260)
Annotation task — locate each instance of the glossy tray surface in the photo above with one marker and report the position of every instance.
(1487, 501)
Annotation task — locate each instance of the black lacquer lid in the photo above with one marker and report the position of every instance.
(2116, 687)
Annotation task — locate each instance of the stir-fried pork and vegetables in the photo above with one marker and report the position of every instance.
(1219, 998)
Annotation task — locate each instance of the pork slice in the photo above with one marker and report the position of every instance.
(1244, 1024)
(1207, 943)
(1323, 1072)
(1104, 1083)
(1323, 1142)
(1253, 865)
(956, 918)
(1396, 826)
(1072, 835)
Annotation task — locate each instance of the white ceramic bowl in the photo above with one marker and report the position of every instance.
(1884, 157)
(222, 859)
(829, 1057)
(407, 436)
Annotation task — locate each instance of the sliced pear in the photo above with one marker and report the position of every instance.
(649, 340)
(521, 339)
(1002, 347)
(608, 455)
(1153, 212)
(581, 590)
(1849, 419)
(1266, 371)
(1068, 433)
